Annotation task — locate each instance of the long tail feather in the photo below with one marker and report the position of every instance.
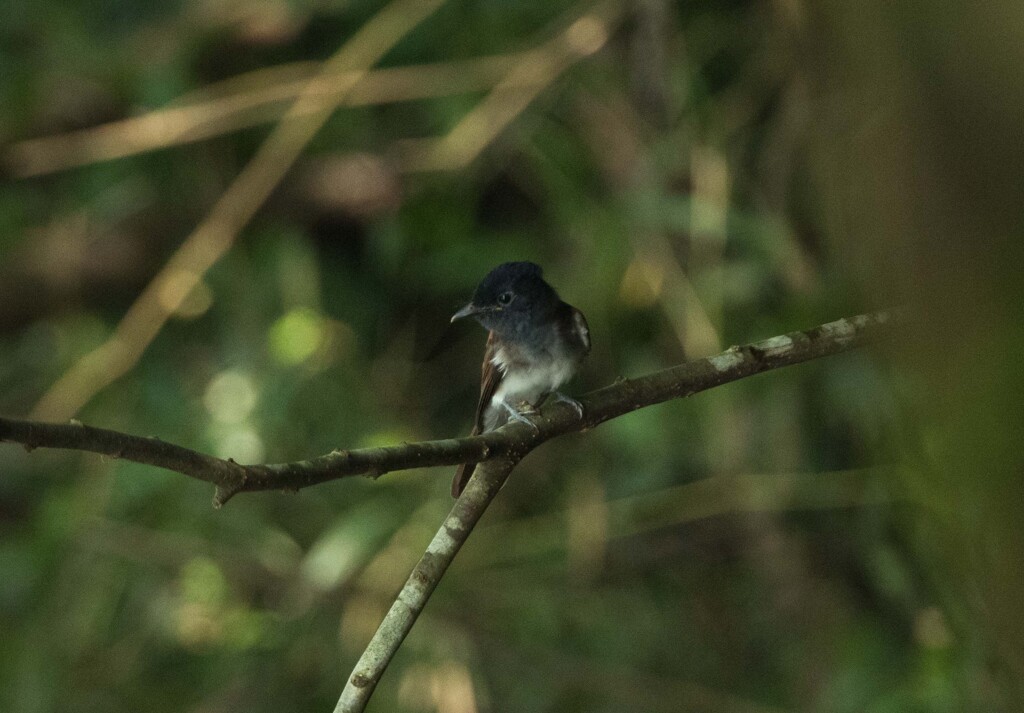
(462, 476)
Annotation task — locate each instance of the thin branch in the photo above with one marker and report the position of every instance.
(240, 102)
(464, 515)
(261, 97)
(514, 440)
(212, 238)
(501, 450)
(523, 83)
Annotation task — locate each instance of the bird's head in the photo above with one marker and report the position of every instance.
(511, 296)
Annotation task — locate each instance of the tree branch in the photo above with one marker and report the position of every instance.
(501, 450)
(602, 405)
(513, 441)
(482, 487)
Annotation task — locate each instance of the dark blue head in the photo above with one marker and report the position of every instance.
(511, 297)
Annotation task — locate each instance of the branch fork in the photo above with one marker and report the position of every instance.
(498, 452)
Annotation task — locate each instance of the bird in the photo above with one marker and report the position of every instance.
(535, 343)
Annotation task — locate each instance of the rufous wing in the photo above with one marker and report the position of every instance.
(490, 378)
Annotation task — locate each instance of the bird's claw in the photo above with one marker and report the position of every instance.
(570, 401)
(520, 416)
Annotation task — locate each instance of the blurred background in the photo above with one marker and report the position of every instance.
(242, 225)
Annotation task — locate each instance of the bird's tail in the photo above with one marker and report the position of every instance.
(462, 476)
(464, 472)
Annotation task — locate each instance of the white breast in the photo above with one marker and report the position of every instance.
(532, 384)
(529, 385)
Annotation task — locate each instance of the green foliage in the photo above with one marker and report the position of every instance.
(717, 173)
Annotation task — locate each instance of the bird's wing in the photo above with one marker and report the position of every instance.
(582, 329)
(490, 377)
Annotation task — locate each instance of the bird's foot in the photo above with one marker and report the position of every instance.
(521, 415)
(570, 401)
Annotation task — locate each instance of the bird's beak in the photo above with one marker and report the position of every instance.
(467, 311)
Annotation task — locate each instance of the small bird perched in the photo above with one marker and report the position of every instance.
(535, 345)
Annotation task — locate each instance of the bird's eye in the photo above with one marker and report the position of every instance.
(504, 298)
